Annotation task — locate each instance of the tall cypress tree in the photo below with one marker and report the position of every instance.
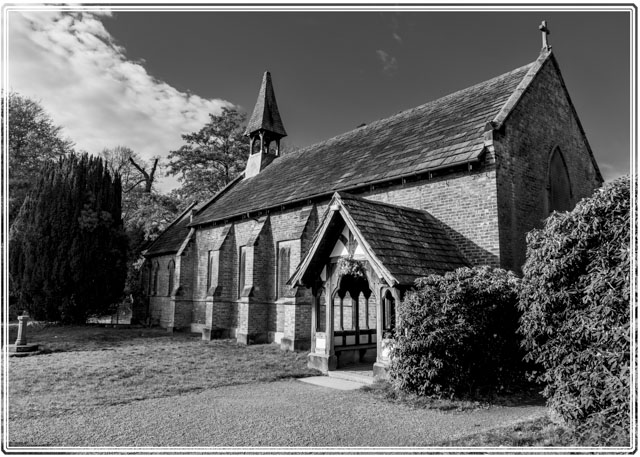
(68, 246)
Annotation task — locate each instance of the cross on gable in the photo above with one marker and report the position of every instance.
(545, 31)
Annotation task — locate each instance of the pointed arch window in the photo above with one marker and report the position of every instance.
(148, 278)
(559, 194)
(388, 312)
(154, 279)
(242, 270)
(284, 269)
(209, 269)
(172, 269)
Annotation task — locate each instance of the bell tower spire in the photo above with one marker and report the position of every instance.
(265, 125)
(264, 129)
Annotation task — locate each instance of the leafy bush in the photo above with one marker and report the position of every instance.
(575, 305)
(457, 333)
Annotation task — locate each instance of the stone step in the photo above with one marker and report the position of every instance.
(362, 377)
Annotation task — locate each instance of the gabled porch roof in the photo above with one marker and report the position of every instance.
(401, 244)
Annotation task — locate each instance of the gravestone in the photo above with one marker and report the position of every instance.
(21, 346)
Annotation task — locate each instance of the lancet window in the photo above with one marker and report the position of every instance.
(284, 269)
(558, 186)
(242, 270)
(388, 312)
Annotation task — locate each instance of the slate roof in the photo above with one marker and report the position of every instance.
(406, 243)
(410, 243)
(265, 114)
(444, 132)
(173, 236)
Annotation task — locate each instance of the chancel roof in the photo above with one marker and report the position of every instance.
(445, 132)
(403, 243)
(173, 236)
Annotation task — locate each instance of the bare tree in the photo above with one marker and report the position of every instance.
(147, 178)
(131, 168)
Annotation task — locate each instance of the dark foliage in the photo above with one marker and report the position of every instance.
(67, 245)
(576, 314)
(456, 335)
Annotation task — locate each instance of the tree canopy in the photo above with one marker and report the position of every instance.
(67, 256)
(143, 208)
(34, 140)
(211, 157)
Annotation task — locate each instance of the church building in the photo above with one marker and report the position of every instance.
(312, 250)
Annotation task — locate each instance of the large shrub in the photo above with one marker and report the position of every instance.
(67, 246)
(457, 333)
(575, 305)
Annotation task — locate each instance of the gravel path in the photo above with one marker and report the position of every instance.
(278, 414)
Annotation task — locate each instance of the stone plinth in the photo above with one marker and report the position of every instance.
(23, 350)
(322, 362)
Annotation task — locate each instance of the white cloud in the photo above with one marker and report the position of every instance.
(397, 37)
(69, 62)
(389, 63)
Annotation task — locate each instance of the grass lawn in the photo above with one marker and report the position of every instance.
(88, 367)
(542, 432)
(384, 391)
(91, 367)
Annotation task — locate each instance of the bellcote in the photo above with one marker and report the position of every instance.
(265, 129)
(265, 125)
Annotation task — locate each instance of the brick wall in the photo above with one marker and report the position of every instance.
(263, 268)
(226, 309)
(243, 234)
(272, 318)
(198, 315)
(207, 239)
(160, 305)
(542, 121)
(465, 203)
(182, 310)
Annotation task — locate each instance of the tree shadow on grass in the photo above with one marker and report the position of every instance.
(53, 337)
(527, 396)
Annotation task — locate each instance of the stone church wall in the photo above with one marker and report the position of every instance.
(542, 121)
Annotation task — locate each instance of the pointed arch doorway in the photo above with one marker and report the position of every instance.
(354, 320)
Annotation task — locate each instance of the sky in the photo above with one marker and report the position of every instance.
(143, 78)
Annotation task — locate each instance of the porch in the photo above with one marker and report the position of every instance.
(363, 257)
